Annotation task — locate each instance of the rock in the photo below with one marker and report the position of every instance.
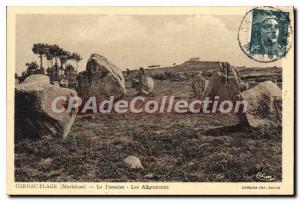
(46, 162)
(56, 83)
(83, 80)
(37, 78)
(98, 63)
(147, 85)
(219, 86)
(64, 83)
(34, 116)
(109, 87)
(134, 83)
(133, 162)
(199, 85)
(244, 86)
(264, 105)
(101, 79)
(224, 83)
(149, 176)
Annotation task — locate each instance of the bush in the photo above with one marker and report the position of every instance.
(159, 76)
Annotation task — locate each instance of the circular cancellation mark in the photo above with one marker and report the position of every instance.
(265, 34)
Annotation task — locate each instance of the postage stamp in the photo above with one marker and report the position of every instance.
(265, 34)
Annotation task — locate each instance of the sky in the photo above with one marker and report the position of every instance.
(132, 41)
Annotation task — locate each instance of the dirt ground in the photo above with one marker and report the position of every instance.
(172, 147)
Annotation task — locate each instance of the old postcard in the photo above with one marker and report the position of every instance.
(150, 100)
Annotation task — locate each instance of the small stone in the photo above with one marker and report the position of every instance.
(46, 162)
(133, 162)
(149, 176)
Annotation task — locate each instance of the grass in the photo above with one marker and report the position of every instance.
(173, 147)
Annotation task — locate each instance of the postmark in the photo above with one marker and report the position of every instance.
(265, 34)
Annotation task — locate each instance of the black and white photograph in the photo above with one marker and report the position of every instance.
(150, 101)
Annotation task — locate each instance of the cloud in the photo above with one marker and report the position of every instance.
(131, 41)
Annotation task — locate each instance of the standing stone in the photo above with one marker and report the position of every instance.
(34, 116)
(226, 89)
(264, 105)
(147, 85)
(225, 83)
(101, 79)
(199, 85)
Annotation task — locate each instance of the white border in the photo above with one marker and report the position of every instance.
(5, 3)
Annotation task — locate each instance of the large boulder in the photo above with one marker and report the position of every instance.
(226, 89)
(225, 83)
(147, 85)
(264, 105)
(37, 78)
(101, 79)
(199, 85)
(34, 116)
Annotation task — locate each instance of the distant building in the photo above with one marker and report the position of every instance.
(154, 66)
(194, 59)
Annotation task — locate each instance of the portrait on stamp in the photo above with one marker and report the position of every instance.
(267, 32)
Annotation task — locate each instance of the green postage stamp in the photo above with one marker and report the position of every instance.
(268, 30)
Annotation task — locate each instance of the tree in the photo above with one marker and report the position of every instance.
(41, 50)
(127, 71)
(49, 59)
(54, 51)
(76, 57)
(69, 69)
(71, 76)
(51, 72)
(64, 56)
(32, 68)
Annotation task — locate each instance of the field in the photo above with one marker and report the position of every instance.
(172, 147)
